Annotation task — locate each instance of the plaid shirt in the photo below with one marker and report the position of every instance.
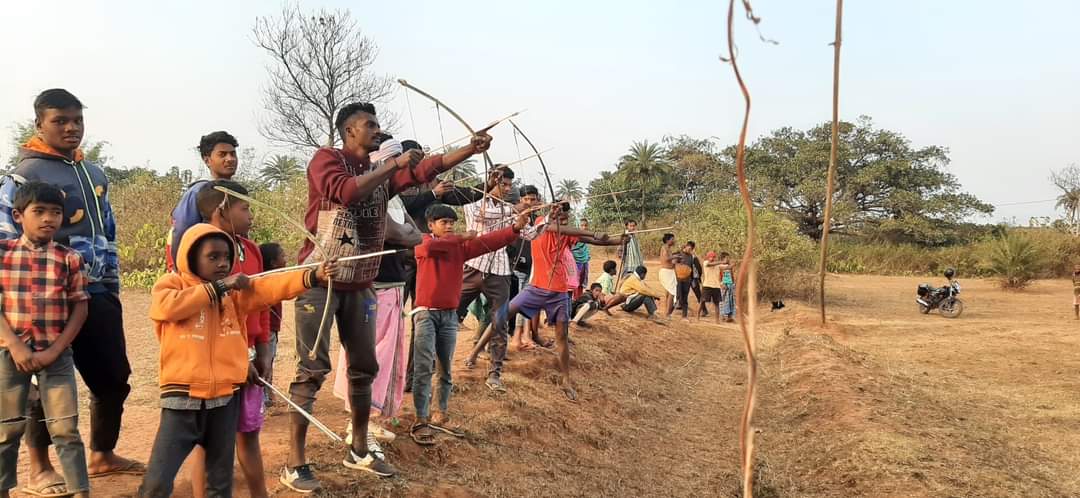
(39, 285)
(483, 219)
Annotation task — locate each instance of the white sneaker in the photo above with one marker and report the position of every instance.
(380, 432)
(370, 463)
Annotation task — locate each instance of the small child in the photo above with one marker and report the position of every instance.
(713, 290)
(1076, 290)
(44, 302)
(199, 318)
(440, 260)
(607, 279)
(729, 287)
(233, 216)
(273, 256)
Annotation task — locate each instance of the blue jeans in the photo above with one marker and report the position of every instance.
(59, 399)
(637, 300)
(435, 333)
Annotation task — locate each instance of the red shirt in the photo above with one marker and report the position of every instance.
(440, 265)
(547, 252)
(38, 287)
(249, 262)
(331, 184)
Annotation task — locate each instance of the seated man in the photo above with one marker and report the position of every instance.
(634, 293)
(587, 304)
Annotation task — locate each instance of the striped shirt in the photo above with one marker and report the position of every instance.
(39, 285)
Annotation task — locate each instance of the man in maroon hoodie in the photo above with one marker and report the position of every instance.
(347, 196)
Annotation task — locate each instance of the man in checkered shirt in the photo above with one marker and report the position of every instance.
(489, 274)
(44, 302)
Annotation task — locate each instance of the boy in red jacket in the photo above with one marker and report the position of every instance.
(440, 260)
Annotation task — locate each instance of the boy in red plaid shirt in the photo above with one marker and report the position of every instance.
(44, 302)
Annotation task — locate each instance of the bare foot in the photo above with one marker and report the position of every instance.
(568, 390)
(103, 463)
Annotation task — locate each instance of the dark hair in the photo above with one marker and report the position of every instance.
(668, 236)
(563, 206)
(346, 113)
(691, 244)
(529, 190)
(609, 266)
(55, 98)
(641, 271)
(269, 252)
(439, 211)
(724, 254)
(210, 140)
(194, 251)
(504, 171)
(629, 221)
(39, 193)
(410, 145)
(596, 285)
(209, 198)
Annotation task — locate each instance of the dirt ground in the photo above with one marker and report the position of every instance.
(882, 402)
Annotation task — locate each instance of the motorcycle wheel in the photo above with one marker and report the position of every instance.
(952, 308)
(924, 309)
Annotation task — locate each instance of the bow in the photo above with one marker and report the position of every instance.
(322, 250)
(438, 103)
(551, 190)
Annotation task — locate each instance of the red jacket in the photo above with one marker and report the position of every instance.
(249, 262)
(331, 184)
(440, 265)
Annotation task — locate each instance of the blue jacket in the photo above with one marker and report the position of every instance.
(88, 227)
(184, 216)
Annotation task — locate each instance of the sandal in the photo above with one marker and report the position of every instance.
(495, 384)
(48, 490)
(423, 434)
(130, 467)
(441, 422)
(470, 363)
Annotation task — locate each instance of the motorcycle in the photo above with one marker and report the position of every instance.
(943, 298)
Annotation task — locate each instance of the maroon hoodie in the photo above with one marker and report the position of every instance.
(331, 184)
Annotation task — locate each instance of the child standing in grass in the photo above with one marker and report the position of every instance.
(728, 281)
(712, 285)
(1076, 290)
(440, 260)
(44, 302)
(199, 318)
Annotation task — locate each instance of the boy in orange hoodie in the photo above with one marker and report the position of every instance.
(198, 316)
(234, 217)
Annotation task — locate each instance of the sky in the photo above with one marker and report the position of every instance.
(989, 80)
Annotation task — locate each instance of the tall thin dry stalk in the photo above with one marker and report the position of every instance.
(825, 226)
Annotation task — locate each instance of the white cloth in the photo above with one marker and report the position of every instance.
(669, 281)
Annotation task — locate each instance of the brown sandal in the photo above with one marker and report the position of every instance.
(423, 434)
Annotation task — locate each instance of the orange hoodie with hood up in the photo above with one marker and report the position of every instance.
(204, 348)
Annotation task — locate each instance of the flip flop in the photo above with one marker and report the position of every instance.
(470, 364)
(570, 393)
(131, 468)
(422, 434)
(447, 430)
(41, 490)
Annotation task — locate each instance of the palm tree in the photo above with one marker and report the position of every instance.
(570, 190)
(646, 161)
(1070, 202)
(280, 169)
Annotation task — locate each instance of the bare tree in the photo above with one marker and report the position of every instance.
(319, 63)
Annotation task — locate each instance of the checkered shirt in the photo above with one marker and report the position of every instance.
(483, 217)
(39, 285)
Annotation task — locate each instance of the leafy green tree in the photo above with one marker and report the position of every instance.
(1068, 180)
(569, 190)
(885, 187)
(699, 167)
(647, 164)
(278, 170)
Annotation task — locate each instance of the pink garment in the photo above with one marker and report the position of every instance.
(391, 351)
(571, 268)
